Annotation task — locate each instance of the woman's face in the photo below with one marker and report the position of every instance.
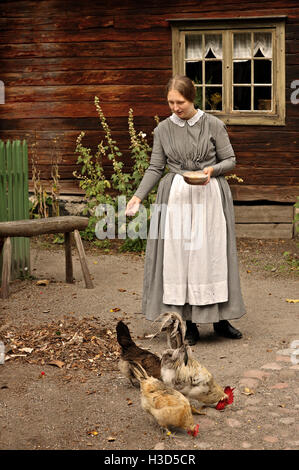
(183, 108)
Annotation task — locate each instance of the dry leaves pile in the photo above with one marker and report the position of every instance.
(67, 343)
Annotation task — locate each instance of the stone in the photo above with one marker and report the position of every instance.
(256, 374)
(280, 386)
(159, 446)
(246, 445)
(283, 358)
(271, 439)
(233, 423)
(271, 366)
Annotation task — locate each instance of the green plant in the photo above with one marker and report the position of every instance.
(292, 260)
(101, 190)
(41, 201)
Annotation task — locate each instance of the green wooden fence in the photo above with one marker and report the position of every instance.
(14, 202)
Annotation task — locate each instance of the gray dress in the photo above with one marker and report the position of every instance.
(190, 147)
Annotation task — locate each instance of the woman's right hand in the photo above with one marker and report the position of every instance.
(133, 206)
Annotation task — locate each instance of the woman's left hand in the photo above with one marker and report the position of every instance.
(208, 171)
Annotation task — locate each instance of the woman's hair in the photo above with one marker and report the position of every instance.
(183, 85)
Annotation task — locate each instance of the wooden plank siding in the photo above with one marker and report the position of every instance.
(56, 55)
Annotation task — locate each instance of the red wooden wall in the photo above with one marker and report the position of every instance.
(56, 55)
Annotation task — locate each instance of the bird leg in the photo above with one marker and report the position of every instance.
(197, 411)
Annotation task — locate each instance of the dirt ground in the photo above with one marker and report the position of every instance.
(60, 386)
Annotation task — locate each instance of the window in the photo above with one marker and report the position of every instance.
(238, 67)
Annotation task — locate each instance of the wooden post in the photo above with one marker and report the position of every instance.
(82, 257)
(6, 268)
(68, 257)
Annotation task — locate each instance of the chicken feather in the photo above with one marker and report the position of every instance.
(168, 406)
(131, 352)
(179, 369)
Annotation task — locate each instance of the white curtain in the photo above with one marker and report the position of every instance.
(263, 41)
(242, 45)
(194, 46)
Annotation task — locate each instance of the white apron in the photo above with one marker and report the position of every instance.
(195, 257)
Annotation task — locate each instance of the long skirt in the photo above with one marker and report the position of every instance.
(153, 285)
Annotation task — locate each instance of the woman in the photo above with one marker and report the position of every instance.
(191, 264)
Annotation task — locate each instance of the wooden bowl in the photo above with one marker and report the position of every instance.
(195, 177)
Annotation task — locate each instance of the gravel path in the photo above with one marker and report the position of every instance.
(83, 402)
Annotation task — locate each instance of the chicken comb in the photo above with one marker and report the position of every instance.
(194, 432)
(226, 401)
(230, 393)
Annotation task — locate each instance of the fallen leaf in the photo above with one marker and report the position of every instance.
(110, 438)
(43, 282)
(93, 433)
(76, 339)
(56, 363)
(292, 301)
(248, 270)
(122, 290)
(248, 391)
(28, 350)
(116, 309)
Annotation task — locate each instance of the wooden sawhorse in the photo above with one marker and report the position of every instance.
(31, 228)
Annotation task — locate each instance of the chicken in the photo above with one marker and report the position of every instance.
(168, 406)
(175, 329)
(131, 352)
(179, 369)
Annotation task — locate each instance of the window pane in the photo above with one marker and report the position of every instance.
(213, 98)
(213, 72)
(242, 45)
(194, 46)
(194, 71)
(198, 98)
(242, 98)
(262, 45)
(262, 71)
(262, 98)
(213, 46)
(242, 71)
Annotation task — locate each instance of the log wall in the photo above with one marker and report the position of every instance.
(56, 55)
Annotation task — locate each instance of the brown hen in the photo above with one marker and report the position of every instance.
(131, 352)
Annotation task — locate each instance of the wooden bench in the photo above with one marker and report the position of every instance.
(31, 228)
